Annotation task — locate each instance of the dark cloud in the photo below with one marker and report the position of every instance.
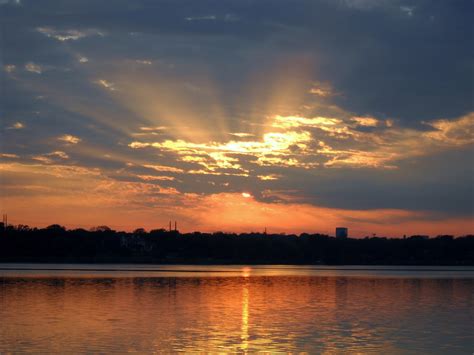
(443, 184)
(412, 66)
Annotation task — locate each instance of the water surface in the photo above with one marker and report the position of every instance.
(148, 308)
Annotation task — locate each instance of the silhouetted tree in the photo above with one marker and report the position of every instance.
(56, 228)
(22, 228)
(101, 229)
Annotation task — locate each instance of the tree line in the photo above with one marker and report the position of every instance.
(103, 245)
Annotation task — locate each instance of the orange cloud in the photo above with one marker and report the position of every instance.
(309, 142)
(69, 139)
(17, 125)
(366, 121)
(453, 132)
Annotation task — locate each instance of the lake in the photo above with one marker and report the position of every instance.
(316, 309)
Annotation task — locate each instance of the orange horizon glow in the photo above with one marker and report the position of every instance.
(237, 213)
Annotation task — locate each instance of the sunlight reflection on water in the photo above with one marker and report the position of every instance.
(235, 309)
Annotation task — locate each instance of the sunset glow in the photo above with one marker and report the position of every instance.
(113, 122)
(236, 176)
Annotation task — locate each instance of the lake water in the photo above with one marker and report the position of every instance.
(147, 308)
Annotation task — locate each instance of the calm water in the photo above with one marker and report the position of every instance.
(112, 308)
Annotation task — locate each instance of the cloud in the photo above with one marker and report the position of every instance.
(106, 84)
(33, 68)
(325, 123)
(9, 156)
(452, 132)
(155, 178)
(366, 121)
(68, 35)
(357, 158)
(163, 168)
(322, 90)
(228, 17)
(269, 177)
(69, 139)
(201, 18)
(308, 142)
(364, 4)
(76, 187)
(9, 68)
(274, 149)
(409, 10)
(51, 158)
(242, 134)
(58, 154)
(143, 61)
(17, 125)
(152, 129)
(10, 2)
(42, 159)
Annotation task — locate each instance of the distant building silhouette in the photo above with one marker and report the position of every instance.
(342, 232)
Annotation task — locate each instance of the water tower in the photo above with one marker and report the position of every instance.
(342, 232)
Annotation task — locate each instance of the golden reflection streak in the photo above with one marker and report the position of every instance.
(244, 336)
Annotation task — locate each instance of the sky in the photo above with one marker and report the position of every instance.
(239, 115)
